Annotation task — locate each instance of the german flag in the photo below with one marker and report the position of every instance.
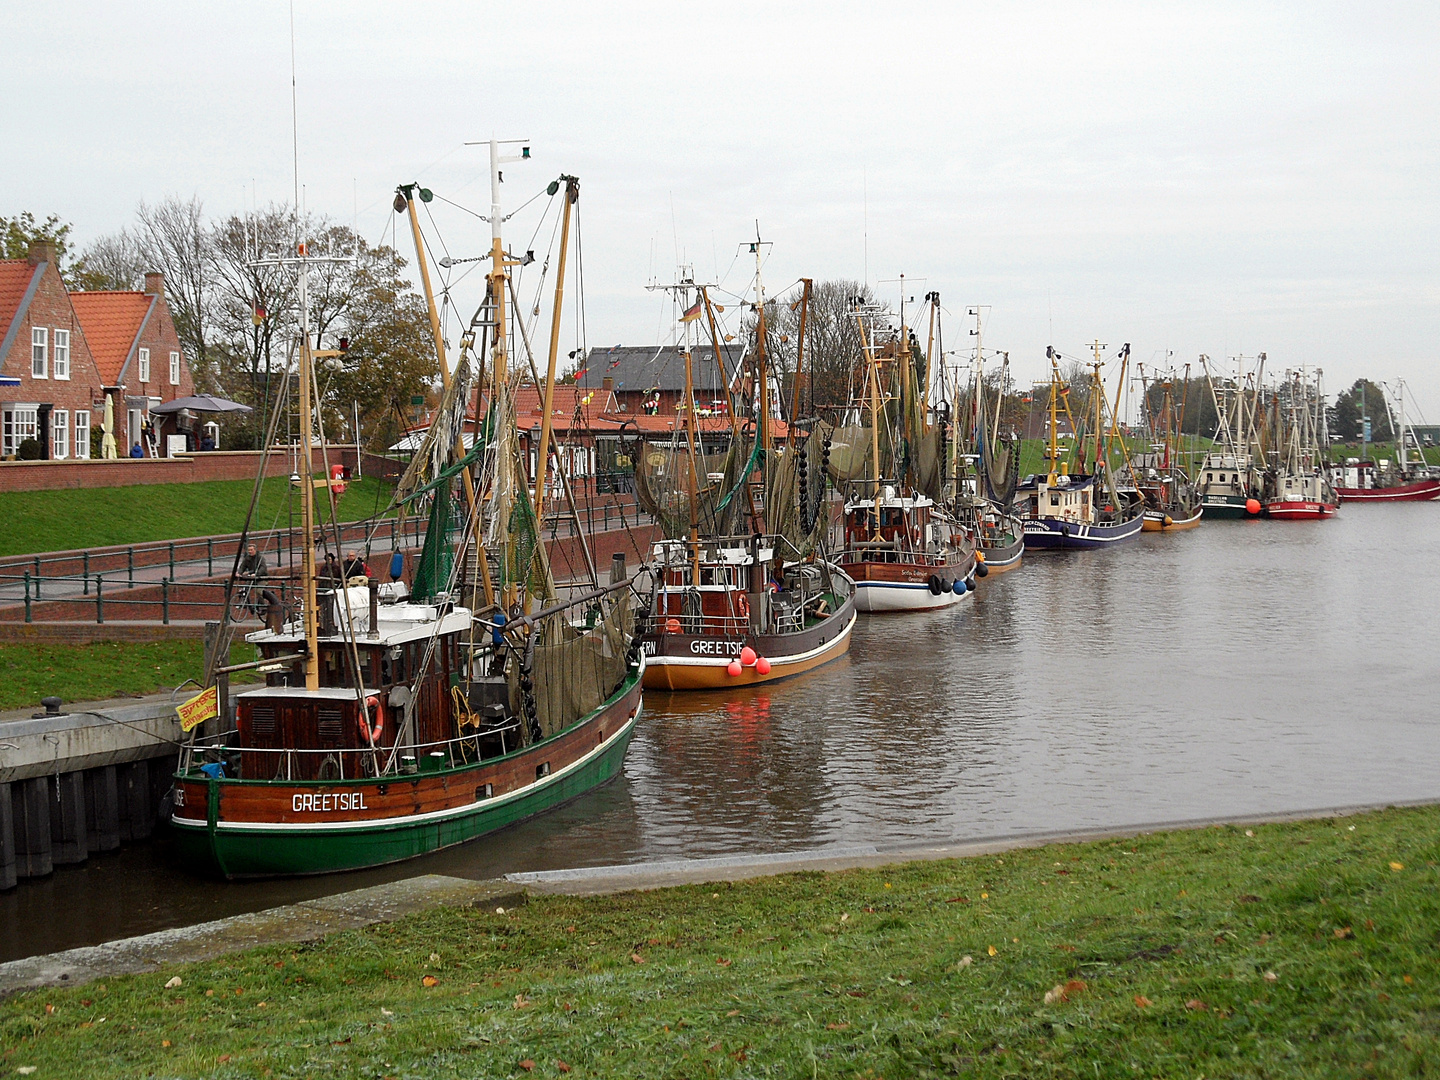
(691, 313)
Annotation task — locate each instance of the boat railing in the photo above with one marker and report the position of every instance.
(403, 759)
(699, 625)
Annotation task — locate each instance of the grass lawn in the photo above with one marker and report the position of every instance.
(1305, 950)
(104, 669)
(38, 521)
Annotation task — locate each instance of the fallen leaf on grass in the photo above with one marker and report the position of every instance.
(993, 950)
(223, 1058)
(1142, 1002)
(1196, 1005)
(173, 983)
(722, 961)
(527, 1064)
(386, 1012)
(837, 1027)
(164, 1042)
(738, 1055)
(1270, 976)
(636, 958)
(1064, 991)
(1383, 996)
(26, 1070)
(958, 900)
(1066, 948)
(429, 980)
(1344, 932)
(1397, 866)
(49, 1010)
(845, 917)
(733, 1012)
(965, 961)
(521, 1002)
(562, 1066)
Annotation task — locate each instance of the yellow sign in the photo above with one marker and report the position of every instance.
(199, 708)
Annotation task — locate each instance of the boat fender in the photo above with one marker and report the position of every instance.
(970, 584)
(1064, 530)
(373, 730)
(397, 566)
(733, 668)
(762, 666)
(959, 587)
(747, 656)
(1252, 506)
(934, 584)
(946, 585)
(981, 570)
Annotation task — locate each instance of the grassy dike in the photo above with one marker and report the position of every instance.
(1303, 950)
(101, 669)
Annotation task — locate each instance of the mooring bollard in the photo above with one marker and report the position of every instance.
(99, 600)
(165, 601)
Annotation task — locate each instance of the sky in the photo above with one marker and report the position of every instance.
(1218, 178)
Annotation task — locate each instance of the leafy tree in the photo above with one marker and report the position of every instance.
(1363, 399)
(19, 232)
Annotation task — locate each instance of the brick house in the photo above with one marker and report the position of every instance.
(63, 353)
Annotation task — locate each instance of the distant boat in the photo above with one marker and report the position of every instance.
(1362, 480)
(1077, 510)
(1230, 480)
(1301, 491)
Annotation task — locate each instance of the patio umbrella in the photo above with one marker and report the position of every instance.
(206, 403)
(107, 443)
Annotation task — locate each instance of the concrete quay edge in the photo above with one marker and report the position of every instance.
(308, 920)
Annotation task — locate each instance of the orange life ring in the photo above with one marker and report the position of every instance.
(375, 730)
(742, 603)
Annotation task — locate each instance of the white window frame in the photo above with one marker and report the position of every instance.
(82, 434)
(60, 434)
(15, 427)
(60, 361)
(143, 362)
(39, 352)
(174, 368)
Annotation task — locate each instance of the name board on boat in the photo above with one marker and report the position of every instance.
(199, 708)
(328, 802)
(710, 647)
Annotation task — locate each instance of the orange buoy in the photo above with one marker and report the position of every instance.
(979, 556)
(672, 626)
(747, 656)
(1252, 506)
(762, 666)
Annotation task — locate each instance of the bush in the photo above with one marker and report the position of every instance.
(29, 450)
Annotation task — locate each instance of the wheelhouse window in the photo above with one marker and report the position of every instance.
(62, 354)
(144, 362)
(60, 434)
(39, 352)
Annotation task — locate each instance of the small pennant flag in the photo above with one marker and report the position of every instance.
(581, 372)
(691, 313)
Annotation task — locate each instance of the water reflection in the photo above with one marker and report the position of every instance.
(1241, 667)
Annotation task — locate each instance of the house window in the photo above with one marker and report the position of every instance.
(39, 352)
(82, 434)
(17, 423)
(60, 434)
(62, 354)
(144, 365)
(174, 369)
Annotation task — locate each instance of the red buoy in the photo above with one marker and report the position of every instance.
(762, 666)
(747, 656)
(672, 626)
(733, 667)
(1252, 506)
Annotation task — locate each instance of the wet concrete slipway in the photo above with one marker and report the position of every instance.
(1242, 669)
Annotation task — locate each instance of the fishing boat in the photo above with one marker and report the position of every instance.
(742, 592)
(1231, 480)
(1362, 480)
(900, 546)
(395, 720)
(1302, 491)
(984, 466)
(1172, 503)
(1064, 509)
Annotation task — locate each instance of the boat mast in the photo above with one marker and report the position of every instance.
(762, 427)
(800, 358)
(1054, 414)
(307, 488)
(572, 195)
(690, 437)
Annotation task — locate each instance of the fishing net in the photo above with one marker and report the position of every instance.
(663, 482)
(575, 670)
(796, 492)
(432, 575)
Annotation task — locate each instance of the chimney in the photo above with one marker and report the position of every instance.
(154, 283)
(41, 251)
(607, 384)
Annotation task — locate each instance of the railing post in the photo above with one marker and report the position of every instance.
(37, 577)
(27, 595)
(99, 600)
(85, 558)
(130, 565)
(209, 556)
(165, 601)
(172, 558)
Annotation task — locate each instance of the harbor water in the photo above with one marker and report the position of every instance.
(1240, 668)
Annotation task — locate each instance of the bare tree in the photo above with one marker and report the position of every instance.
(174, 239)
(832, 343)
(114, 262)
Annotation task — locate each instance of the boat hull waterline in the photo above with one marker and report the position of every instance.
(685, 662)
(1159, 521)
(1051, 533)
(1415, 491)
(271, 828)
(1299, 510)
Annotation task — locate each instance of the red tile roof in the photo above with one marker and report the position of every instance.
(111, 321)
(15, 275)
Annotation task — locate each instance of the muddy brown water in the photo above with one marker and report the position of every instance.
(1243, 667)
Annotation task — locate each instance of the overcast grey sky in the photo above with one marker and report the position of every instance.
(1221, 178)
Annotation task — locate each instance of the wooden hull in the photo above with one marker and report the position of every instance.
(1299, 510)
(685, 662)
(1050, 533)
(1159, 521)
(267, 828)
(1415, 491)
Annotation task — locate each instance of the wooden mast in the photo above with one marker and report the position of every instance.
(572, 194)
(694, 478)
(311, 662)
